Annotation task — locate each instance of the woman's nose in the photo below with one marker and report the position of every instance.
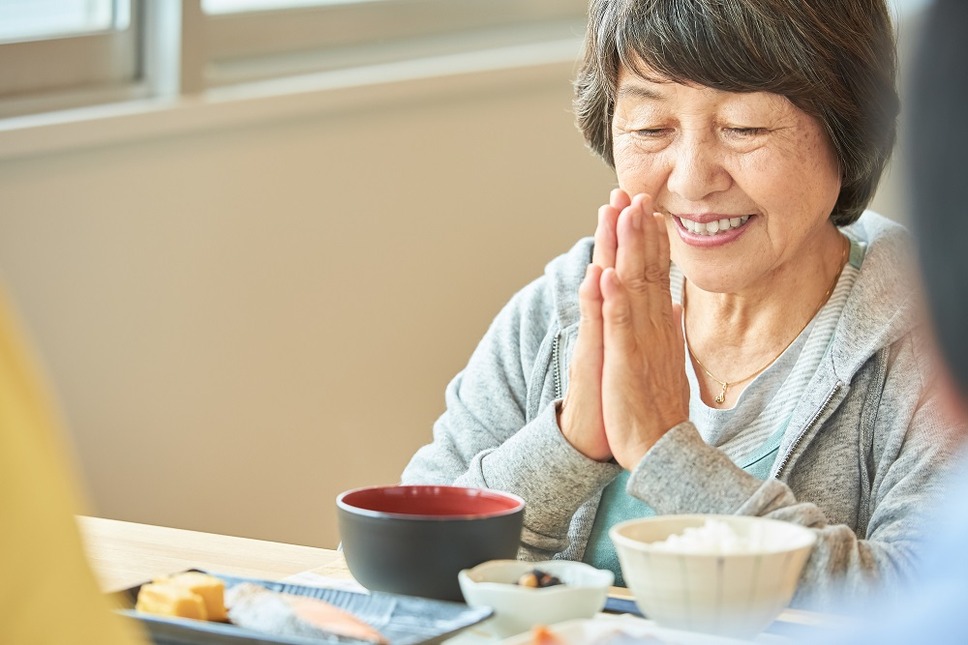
(697, 169)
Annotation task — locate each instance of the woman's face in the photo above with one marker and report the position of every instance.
(747, 181)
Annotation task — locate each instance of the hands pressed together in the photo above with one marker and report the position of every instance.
(627, 381)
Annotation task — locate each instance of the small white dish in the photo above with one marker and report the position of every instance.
(582, 593)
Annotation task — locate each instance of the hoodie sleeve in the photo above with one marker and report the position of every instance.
(487, 438)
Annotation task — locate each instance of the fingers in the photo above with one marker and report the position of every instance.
(618, 334)
(644, 388)
(636, 298)
(645, 391)
(606, 241)
(642, 255)
(580, 414)
(590, 306)
(662, 235)
(642, 259)
(619, 199)
(587, 358)
(677, 320)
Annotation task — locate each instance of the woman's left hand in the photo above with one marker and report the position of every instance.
(645, 392)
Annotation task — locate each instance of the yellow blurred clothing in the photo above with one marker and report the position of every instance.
(48, 593)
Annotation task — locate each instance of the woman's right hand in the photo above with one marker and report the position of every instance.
(580, 413)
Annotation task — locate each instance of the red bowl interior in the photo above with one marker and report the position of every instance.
(429, 501)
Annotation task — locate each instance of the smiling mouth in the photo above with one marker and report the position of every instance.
(713, 227)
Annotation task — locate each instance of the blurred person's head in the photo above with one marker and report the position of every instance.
(835, 61)
(937, 121)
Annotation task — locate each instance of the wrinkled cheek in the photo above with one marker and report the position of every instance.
(821, 168)
(638, 173)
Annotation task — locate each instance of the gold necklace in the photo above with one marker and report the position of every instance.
(725, 384)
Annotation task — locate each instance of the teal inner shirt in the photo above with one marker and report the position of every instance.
(617, 506)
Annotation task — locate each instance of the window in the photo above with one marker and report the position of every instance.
(51, 46)
(74, 52)
(236, 6)
(25, 20)
(312, 36)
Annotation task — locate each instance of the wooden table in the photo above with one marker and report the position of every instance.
(125, 554)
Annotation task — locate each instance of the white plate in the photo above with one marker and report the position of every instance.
(582, 632)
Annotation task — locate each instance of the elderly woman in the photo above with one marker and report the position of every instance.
(739, 336)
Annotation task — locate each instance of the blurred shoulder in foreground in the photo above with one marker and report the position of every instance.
(48, 594)
(933, 611)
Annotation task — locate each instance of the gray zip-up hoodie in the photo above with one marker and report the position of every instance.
(861, 460)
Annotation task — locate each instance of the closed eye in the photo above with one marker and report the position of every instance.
(746, 132)
(652, 132)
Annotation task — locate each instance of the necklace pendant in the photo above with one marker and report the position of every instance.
(722, 395)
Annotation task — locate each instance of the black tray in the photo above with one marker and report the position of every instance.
(403, 620)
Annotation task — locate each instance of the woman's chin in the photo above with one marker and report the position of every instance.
(714, 279)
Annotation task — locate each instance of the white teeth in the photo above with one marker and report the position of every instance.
(715, 226)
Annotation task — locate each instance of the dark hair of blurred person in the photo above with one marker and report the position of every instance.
(932, 609)
(938, 169)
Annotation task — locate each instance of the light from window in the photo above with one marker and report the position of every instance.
(237, 6)
(22, 20)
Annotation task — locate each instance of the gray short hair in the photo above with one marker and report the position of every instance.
(834, 60)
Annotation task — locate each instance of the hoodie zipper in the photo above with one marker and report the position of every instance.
(556, 368)
(813, 420)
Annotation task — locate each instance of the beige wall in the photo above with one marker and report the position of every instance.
(242, 322)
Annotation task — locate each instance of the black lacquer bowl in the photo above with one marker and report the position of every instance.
(414, 540)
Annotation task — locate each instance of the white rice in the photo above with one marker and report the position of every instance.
(715, 537)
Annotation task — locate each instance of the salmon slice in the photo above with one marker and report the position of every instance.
(541, 635)
(255, 607)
